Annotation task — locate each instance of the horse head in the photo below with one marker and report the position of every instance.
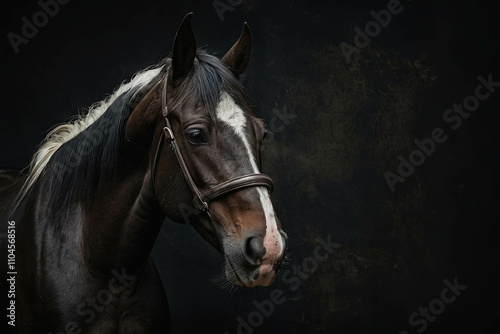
(208, 149)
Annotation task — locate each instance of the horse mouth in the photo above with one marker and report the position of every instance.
(252, 275)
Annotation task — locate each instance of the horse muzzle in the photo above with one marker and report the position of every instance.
(257, 259)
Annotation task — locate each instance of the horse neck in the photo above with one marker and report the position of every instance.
(123, 224)
(119, 225)
(117, 228)
(132, 208)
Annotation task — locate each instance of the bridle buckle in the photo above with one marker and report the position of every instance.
(168, 133)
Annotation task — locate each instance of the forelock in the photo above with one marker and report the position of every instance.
(206, 83)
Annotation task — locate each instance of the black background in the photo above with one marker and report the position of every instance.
(350, 122)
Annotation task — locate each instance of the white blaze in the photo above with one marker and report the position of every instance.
(231, 114)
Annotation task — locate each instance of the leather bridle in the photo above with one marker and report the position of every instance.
(202, 199)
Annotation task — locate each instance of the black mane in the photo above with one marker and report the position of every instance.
(76, 169)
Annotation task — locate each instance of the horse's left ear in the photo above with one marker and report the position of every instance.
(238, 56)
(184, 50)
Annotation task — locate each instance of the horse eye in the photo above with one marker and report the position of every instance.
(195, 137)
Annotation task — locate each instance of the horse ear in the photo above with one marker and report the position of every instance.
(184, 50)
(238, 56)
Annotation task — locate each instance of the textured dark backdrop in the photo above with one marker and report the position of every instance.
(349, 123)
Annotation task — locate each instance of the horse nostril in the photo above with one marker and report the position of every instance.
(253, 249)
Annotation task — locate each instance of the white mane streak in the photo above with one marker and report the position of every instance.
(65, 132)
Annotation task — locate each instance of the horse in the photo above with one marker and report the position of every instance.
(179, 140)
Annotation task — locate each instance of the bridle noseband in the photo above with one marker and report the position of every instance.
(202, 198)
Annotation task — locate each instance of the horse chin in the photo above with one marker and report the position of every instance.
(249, 276)
(232, 277)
